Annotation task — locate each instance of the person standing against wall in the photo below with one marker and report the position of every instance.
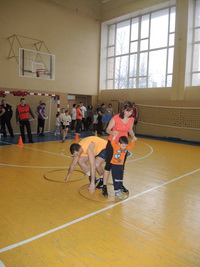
(78, 118)
(110, 112)
(2, 111)
(6, 118)
(100, 112)
(73, 115)
(23, 112)
(89, 117)
(84, 115)
(135, 116)
(41, 119)
(95, 121)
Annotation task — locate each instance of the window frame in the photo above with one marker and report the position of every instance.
(107, 79)
(194, 43)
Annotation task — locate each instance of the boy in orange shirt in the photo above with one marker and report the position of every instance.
(117, 164)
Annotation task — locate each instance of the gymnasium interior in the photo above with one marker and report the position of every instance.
(98, 52)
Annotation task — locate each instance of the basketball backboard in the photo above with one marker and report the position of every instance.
(36, 64)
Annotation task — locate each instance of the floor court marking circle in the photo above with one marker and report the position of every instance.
(143, 157)
(93, 213)
(61, 167)
(97, 196)
(71, 179)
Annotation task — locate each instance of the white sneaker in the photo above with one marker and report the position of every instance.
(118, 194)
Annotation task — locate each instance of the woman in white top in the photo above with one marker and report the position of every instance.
(84, 115)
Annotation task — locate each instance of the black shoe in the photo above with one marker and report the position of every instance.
(31, 141)
(124, 190)
(96, 180)
(104, 191)
(100, 184)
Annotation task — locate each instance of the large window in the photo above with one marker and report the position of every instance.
(196, 46)
(140, 51)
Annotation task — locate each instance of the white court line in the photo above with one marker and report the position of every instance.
(143, 157)
(31, 148)
(54, 167)
(93, 213)
(38, 167)
(34, 167)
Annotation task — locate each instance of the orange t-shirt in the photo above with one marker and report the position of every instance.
(121, 127)
(100, 144)
(78, 114)
(119, 155)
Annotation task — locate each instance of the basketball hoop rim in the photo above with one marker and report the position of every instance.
(42, 70)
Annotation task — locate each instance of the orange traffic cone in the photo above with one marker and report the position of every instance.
(76, 137)
(20, 142)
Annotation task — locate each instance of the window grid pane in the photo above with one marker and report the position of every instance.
(122, 38)
(195, 72)
(110, 68)
(111, 35)
(159, 24)
(121, 68)
(145, 26)
(134, 29)
(197, 17)
(134, 47)
(172, 19)
(110, 84)
(144, 50)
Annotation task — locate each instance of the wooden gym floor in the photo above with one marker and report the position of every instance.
(46, 222)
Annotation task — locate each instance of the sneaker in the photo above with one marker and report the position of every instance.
(96, 180)
(124, 190)
(118, 194)
(100, 184)
(104, 191)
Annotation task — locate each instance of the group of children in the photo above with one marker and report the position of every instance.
(64, 121)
